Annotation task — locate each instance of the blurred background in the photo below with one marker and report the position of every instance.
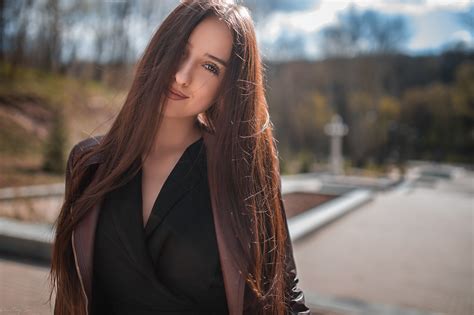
(373, 108)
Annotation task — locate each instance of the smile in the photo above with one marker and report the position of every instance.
(174, 96)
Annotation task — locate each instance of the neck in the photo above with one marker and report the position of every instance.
(174, 134)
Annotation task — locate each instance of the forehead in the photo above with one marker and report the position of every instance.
(212, 36)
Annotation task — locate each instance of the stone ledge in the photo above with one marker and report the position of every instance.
(323, 214)
(332, 305)
(25, 239)
(34, 240)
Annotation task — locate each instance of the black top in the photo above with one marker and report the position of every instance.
(172, 265)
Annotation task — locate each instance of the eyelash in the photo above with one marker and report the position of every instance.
(214, 70)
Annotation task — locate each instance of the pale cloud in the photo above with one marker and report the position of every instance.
(306, 22)
(433, 21)
(462, 35)
(413, 7)
(325, 13)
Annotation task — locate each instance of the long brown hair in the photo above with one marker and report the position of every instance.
(243, 168)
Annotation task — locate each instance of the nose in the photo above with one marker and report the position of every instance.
(183, 75)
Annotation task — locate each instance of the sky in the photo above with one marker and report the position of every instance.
(432, 23)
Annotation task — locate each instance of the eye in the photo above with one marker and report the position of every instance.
(212, 68)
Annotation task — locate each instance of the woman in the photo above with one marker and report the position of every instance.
(178, 208)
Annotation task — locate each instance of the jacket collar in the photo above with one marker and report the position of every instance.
(84, 235)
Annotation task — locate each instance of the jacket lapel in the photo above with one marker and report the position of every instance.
(126, 220)
(127, 204)
(83, 241)
(233, 280)
(233, 277)
(182, 178)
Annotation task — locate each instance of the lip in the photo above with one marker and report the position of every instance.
(173, 94)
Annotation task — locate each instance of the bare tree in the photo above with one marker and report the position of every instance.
(364, 32)
(2, 29)
(119, 48)
(72, 12)
(17, 14)
(384, 34)
(337, 42)
(343, 39)
(50, 36)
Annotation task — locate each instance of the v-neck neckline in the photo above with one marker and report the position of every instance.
(166, 183)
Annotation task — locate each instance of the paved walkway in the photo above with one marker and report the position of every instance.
(411, 248)
(24, 288)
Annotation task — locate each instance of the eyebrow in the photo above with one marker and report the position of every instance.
(219, 60)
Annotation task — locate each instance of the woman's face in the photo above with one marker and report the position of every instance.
(201, 69)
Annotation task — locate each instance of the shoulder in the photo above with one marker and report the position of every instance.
(85, 145)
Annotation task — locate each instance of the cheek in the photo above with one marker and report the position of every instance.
(208, 93)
